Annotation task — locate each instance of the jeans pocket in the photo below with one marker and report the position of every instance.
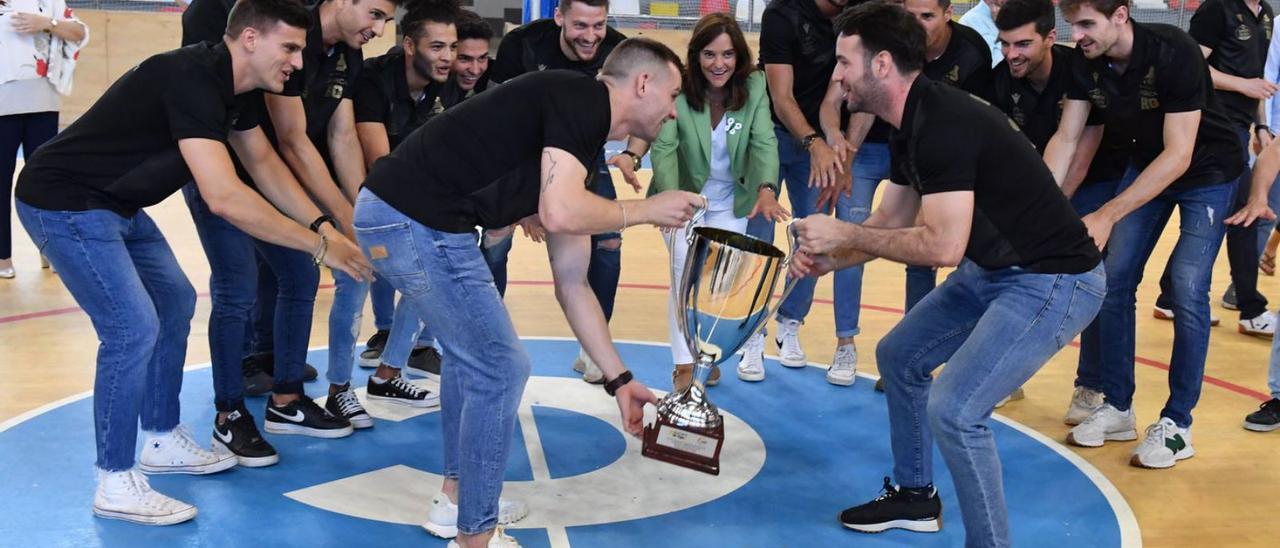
(391, 250)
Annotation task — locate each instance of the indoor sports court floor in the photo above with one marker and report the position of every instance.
(798, 449)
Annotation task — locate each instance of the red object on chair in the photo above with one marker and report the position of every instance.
(713, 6)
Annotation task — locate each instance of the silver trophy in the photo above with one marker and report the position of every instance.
(726, 289)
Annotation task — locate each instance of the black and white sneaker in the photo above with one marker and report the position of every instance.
(239, 436)
(302, 416)
(345, 404)
(401, 391)
(1266, 418)
(372, 353)
(917, 510)
(424, 362)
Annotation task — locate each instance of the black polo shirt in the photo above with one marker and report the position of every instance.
(794, 32)
(453, 94)
(1020, 217)
(536, 46)
(456, 172)
(1037, 114)
(1166, 73)
(1239, 40)
(205, 21)
(966, 63)
(382, 96)
(122, 154)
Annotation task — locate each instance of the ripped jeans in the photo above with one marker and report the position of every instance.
(1200, 211)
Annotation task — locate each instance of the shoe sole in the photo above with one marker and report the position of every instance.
(441, 531)
(211, 468)
(299, 430)
(171, 519)
(1113, 436)
(1255, 427)
(1137, 462)
(420, 404)
(1229, 306)
(370, 363)
(248, 462)
(1213, 322)
(839, 380)
(919, 526)
(360, 423)
(751, 377)
(1253, 333)
(421, 373)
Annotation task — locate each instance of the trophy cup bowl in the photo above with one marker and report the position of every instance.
(725, 291)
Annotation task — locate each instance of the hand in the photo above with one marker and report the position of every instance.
(817, 266)
(1262, 140)
(672, 208)
(628, 167)
(346, 256)
(1258, 88)
(631, 399)
(532, 228)
(844, 151)
(767, 205)
(824, 167)
(820, 234)
(829, 196)
(30, 23)
(1252, 211)
(1099, 229)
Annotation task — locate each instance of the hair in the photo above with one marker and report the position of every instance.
(1017, 13)
(1105, 7)
(636, 53)
(566, 4)
(422, 12)
(472, 26)
(884, 26)
(710, 27)
(264, 14)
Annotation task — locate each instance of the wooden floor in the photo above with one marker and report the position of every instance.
(1225, 496)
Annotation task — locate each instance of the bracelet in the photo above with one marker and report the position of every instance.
(624, 216)
(634, 156)
(770, 186)
(619, 381)
(1261, 127)
(318, 257)
(315, 225)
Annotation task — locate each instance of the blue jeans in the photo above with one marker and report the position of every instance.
(1201, 211)
(1086, 200)
(408, 331)
(383, 299)
(440, 273)
(994, 329)
(122, 272)
(295, 280)
(344, 325)
(233, 289)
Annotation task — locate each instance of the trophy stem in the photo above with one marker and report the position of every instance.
(702, 370)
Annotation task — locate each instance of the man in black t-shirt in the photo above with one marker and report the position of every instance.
(577, 38)
(1028, 279)
(471, 64)
(1152, 82)
(416, 219)
(81, 197)
(954, 53)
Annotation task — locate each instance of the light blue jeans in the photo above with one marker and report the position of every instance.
(440, 274)
(994, 329)
(344, 325)
(408, 331)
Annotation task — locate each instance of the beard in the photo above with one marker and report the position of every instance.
(867, 95)
(423, 68)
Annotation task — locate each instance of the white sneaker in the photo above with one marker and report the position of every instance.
(176, 453)
(127, 496)
(1167, 314)
(1263, 326)
(1084, 401)
(751, 367)
(591, 373)
(1105, 424)
(442, 520)
(1165, 444)
(1018, 394)
(789, 352)
(844, 366)
(500, 539)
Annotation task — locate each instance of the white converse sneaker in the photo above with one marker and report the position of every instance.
(751, 368)
(500, 539)
(1084, 401)
(127, 496)
(1263, 326)
(176, 453)
(844, 366)
(442, 520)
(591, 372)
(789, 352)
(1165, 444)
(1104, 425)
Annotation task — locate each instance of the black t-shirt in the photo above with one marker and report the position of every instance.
(1166, 73)
(1020, 217)
(794, 32)
(966, 63)
(205, 21)
(1037, 114)
(476, 164)
(382, 96)
(536, 46)
(122, 155)
(1239, 40)
(453, 94)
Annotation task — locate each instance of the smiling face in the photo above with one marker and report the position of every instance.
(582, 29)
(854, 75)
(363, 20)
(274, 54)
(1024, 49)
(431, 55)
(471, 62)
(1094, 32)
(718, 60)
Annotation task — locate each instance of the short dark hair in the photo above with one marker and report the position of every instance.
(632, 53)
(1017, 13)
(472, 26)
(422, 12)
(885, 26)
(264, 14)
(1105, 7)
(566, 4)
(710, 27)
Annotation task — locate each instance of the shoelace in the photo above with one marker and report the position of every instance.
(142, 488)
(1097, 415)
(407, 387)
(185, 442)
(838, 364)
(348, 404)
(889, 491)
(1157, 433)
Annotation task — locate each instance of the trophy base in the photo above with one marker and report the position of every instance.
(693, 448)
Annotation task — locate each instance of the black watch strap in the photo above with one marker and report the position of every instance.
(809, 139)
(315, 225)
(612, 386)
(770, 186)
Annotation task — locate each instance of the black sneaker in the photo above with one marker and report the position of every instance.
(401, 391)
(880, 384)
(239, 436)
(267, 363)
(345, 404)
(424, 362)
(373, 349)
(302, 416)
(1265, 419)
(917, 510)
(256, 381)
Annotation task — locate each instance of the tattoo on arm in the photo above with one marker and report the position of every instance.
(551, 171)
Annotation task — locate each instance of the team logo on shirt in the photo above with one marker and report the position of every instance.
(1243, 33)
(1266, 26)
(954, 74)
(1098, 98)
(1147, 91)
(437, 107)
(541, 67)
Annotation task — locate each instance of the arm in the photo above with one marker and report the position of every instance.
(344, 146)
(565, 205)
(824, 164)
(1062, 147)
(1264, 175)
(938, 240)
(1256, 88)
(300, 154)
(1085, 151)
(273, 177)
(762, 163)
(373, 141)
(70, 30)
(664, 157)
(1271, 73)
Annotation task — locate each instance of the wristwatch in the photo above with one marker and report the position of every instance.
(53, 25)
(770, 186)
(809, 139)
(634, 156)
(619, 381)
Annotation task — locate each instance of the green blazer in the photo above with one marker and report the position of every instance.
(681, 155)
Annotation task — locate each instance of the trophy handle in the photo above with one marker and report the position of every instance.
(785, 267)
(693, 221)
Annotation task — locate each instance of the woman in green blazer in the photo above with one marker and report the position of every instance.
(722, 145)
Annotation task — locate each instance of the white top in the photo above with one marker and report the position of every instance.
(27, 96)
(35, 67)
(719, 186)
(979, 18)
